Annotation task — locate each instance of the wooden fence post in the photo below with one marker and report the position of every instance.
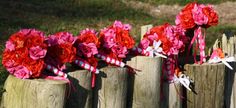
(171, 95)
(209, 85)
(81, 97)
(146, 86)
(35, 93)
(111, 88)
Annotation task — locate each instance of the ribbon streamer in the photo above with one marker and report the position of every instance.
(111, 60)
(169, 67)
(200, 42)
(56, 71)
(82, 63)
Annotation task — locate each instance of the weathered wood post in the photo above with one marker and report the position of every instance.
(33, 93)
(111, 88)
(146, 85)
(81, 97)
(171, 95)
(229, 47)
(209, 85)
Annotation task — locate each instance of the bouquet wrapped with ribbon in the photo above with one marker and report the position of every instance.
(24, 54)
(115, 43)
(87, 45)
(164, 41)
(60, 51)
(193, 17)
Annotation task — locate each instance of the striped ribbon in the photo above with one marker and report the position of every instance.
(56, 71)
(111, 60)
(84, 64)
(200, 42)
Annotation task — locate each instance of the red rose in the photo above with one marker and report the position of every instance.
(186, 19)
(63, 52)
(212, 16)
(35, 66)
(189, 6)
(125, 39)
(88, 36)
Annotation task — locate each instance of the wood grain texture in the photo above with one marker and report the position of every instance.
(209, 84)
(171, 95)
(81, 97)
(36, 93)
(146, 85)
(111, 88)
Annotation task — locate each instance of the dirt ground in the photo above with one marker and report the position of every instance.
(226, 10)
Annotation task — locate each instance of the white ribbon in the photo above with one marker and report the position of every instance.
(184, 80)
(223, 60)
(155, 50)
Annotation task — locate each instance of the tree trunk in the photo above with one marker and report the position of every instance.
(33, 93)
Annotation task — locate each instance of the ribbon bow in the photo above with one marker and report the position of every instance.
(179, 77)
(218, 56)
(155, 50)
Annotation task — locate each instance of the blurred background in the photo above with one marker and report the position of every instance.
(53, 16)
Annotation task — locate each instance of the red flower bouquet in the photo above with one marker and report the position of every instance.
(194, 17)
(87, 45)
(60, 51)
(165, 41)
(24, 54)
(115, 42)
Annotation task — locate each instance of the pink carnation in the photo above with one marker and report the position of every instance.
(87, 50)
(198, 16)
(127, 27)
(37, 53)
(60, 38)
(144, 43)
(22, 72)
(109, 38)
(10, 46)
(120, 51)
(32, 32)
(118, 24)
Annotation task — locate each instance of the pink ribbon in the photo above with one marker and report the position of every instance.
(200, 42)
(62, 79)
(56, 71)
(111, 60)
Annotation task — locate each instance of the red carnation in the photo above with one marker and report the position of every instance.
(212, 16)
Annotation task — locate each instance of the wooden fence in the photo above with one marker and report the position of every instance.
(116, 88)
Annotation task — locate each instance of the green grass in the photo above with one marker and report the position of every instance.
(182, 2)
(53, 16)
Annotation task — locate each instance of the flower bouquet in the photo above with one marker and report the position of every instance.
(87, 45)
(24, 54)
(60, 51)
(194, 17)
(115, 43)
